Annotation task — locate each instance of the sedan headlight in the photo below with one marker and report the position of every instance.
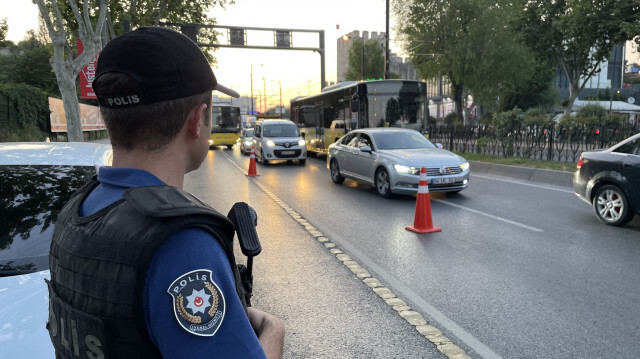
(247, 143)
(271, 143)
(406, 169)
(464, 166)
(301, 143)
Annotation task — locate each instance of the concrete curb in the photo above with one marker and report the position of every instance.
(560, 178)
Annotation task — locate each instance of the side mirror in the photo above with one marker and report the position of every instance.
(365, 149)
(302, 134)
(439, 145)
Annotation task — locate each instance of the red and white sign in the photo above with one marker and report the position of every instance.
(87, 75)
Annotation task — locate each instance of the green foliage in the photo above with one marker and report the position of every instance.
(606, 95)
(128, 15)
(32, 112)
(28, 63)
(452, 119)
(373, 60)
(594, 111)
(537, 116)
(577, 35)
(507, 124)
(4, 29)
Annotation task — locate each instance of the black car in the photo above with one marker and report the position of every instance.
(609, 180)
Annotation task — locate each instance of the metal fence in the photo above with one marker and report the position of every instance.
(547, 143)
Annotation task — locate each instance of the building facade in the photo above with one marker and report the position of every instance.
(398, 65)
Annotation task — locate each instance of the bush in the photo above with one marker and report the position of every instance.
(32, 114)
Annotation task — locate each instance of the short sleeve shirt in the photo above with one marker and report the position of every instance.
(185, 258)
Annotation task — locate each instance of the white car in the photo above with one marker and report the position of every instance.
(36, 180)
(279, 140)
(246, 141)
(390, 160)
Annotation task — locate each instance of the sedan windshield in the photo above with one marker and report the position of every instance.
(394, 140)
(31, 198)
(248, 133)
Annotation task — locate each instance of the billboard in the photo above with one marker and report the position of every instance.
(89, 117)
(87, 75)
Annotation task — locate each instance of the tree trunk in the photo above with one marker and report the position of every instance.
(574, 91)
(457, 98)
(67, 87)
(66, 65)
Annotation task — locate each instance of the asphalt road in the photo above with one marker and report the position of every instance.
(521, 269)
(300, 276)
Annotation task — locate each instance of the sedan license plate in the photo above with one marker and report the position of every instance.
(287, 152)
(442, 180)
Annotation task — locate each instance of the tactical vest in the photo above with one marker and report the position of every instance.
(99, 264)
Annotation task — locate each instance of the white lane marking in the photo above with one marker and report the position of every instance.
(521, 225)
(522, 183)
(466, 337)
(424, 307)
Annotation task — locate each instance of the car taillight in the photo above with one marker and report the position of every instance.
(580, 163)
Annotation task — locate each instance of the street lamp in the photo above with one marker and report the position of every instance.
(347, 37)
(252, 100)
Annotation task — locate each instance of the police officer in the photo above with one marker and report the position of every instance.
(139, 267)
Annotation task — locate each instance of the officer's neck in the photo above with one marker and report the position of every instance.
(167, 165)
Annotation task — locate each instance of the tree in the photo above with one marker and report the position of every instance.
(4, 29)
(104, 21)
(66, 64)
(577, 35)
(470, 42)
(28, 63)
(373, 60)
(124, 16)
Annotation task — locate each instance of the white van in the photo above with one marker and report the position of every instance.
(279, 140)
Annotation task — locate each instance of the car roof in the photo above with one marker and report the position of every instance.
(385, 129)
(55, 153)
(264, 122)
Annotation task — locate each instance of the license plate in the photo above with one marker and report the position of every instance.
(287, 152)
(443, 180)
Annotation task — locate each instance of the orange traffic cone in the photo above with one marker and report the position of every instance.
(252, 164)
(422, 221)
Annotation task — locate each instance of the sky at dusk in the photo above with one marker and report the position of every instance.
(292, 72)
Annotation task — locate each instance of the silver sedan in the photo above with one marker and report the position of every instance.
(390, 160)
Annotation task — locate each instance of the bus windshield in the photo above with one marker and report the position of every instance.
(396, 104)
(225, 119)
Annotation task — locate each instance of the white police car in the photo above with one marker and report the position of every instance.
(36, 180)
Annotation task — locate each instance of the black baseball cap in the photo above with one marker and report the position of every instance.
(164, 64)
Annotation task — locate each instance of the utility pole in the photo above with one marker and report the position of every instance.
(387, 74)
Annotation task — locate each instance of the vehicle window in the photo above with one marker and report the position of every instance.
(350, 139)
(364, 140)
(30, 200)
(248, 133)
(391, 140)
(631, 147)
(281, 130)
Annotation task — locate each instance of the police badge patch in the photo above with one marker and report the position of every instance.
(198, 303)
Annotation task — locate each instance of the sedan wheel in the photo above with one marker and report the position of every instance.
(382, 183)
(611, 206)
(335, 172)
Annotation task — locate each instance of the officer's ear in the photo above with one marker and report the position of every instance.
(196, 120)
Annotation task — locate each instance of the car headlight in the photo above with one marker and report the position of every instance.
(271, 143)
(210, 142)
(247, 143)
(301, 143)
(406, 169)
(464, 166)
